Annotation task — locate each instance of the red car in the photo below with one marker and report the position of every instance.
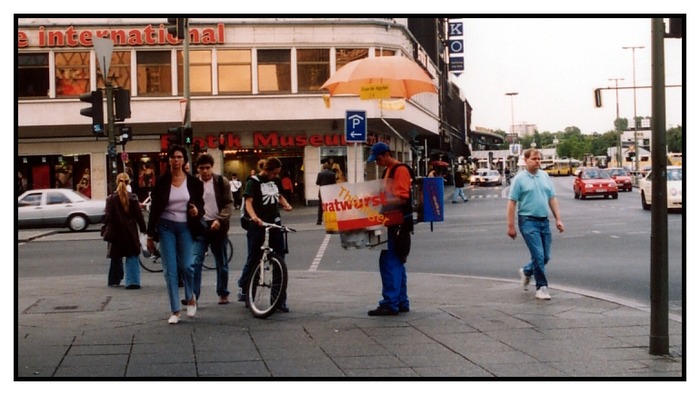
(622, 178)
(592, 181)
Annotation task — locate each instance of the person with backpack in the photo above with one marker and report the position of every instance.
(392, 261)
(262, 199)
(218, 203)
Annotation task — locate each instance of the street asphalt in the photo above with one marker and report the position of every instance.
(459, 327)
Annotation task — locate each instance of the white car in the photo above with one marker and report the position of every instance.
(674, 188)
(476, 176)
(490, 177)
(58, 208)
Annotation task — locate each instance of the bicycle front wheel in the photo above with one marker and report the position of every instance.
(267, 285)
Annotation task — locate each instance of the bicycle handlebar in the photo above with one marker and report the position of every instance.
(280, 227)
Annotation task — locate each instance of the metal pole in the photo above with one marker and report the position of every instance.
(186, 83)
(617, 117)
(112, 145)
(634, 89)
(658, 339)
(512, 116)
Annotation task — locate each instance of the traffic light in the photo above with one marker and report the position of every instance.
(222, 142)
(675, 29)
(187, 136)
(178, 29)
(122, 104)
(95, 111)
(175, 137)
(125, 134)
(598, 98)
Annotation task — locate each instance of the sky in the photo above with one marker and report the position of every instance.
(555, 64)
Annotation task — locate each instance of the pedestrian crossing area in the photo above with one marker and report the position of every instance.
(497, 192)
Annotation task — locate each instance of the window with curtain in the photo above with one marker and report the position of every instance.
(274, 71)
(153, 73)
(119, 70)
(200, 72)
(235, 71)
(313, 69)
(72, 73)
(33, 75)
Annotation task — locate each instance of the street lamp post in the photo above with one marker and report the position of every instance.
(617, 117)
(634, 89)
(555, 142)
(512, 117)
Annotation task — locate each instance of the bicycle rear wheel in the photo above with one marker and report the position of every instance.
(267, 285)
(210, 262)
(152, 263)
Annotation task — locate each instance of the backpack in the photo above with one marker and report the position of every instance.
(245, 218)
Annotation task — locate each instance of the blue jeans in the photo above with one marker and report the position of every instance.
(459, 192)
(256, 238)
(538, 238)
(393, 273)
(217, 244)
(176, 251)
(133, 271)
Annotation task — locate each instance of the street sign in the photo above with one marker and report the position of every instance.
(356, 126)
(103, 53)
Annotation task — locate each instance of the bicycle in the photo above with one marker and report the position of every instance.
(152, 262)
(268, 281)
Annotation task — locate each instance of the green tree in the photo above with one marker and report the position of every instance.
(674, 139)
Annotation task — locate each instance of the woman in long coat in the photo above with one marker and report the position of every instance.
(122, 216)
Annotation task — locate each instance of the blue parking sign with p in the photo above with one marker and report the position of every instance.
(356, 126)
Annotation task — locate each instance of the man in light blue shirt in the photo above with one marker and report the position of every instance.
(532, 193)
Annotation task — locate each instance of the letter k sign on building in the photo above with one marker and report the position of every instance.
(355, 126)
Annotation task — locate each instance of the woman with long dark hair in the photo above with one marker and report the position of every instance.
(177, 206)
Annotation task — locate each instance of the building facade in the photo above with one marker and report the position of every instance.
(254, 93)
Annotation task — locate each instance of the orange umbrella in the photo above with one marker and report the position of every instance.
(404, 77)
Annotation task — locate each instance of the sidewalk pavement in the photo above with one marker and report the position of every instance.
(459, 327)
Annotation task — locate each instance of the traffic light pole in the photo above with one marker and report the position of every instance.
(186, 83)
(112, 139)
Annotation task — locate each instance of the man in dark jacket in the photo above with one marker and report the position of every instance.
(218, 205)
(325, 177)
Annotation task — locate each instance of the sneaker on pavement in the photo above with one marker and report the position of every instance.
(524, 280)
(542, 294)
(382, 310)
(241, 296)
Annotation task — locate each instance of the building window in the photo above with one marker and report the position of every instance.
(235, 71)
(33, 74)
(274, 71)
(344, 56)
(313, 69)
(200, 72)
(153, 73)
(384, 52)
(72, 73)
(119, 71)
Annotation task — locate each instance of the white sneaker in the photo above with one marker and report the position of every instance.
(174, 319)
(192, 309)
(524, 280)
(543, 294)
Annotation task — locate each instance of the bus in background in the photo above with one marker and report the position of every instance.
(561, 167)
(675, 159)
